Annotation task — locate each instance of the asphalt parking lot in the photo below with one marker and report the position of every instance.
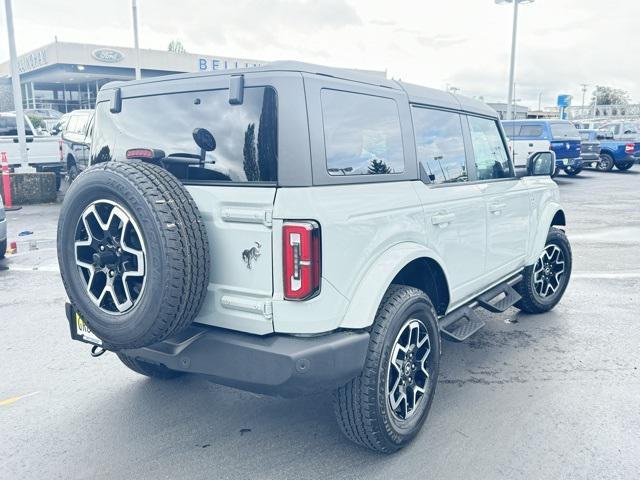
(550, 396)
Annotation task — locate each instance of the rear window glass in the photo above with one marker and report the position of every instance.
(516, 130)
(245, 135)
(362, 134)
(8, 127)
(564, 131)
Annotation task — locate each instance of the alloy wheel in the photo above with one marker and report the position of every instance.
(408, 377)
(110, 256)
(548, 272)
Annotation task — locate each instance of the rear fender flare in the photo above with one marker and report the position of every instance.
(372, 287)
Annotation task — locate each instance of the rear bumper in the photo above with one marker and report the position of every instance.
(569, 163)
(280, 365)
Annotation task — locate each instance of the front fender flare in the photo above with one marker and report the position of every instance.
(375, 282)
(546, 219)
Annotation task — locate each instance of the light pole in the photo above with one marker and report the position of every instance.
(512, 66)
(17, 91)
(134, 9)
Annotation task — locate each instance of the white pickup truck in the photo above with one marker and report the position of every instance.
(43, 151)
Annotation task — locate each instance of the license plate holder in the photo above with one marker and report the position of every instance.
(79, 329)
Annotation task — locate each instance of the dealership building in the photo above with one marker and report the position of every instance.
(67, 76)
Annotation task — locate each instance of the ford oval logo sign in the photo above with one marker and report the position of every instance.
(108, 55)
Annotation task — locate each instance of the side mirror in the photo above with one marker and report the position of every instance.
(541, 163)
(204, 139)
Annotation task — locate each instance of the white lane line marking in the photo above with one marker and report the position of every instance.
(43, 268)
(605, 275)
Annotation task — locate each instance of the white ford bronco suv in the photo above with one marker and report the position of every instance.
(292, 228)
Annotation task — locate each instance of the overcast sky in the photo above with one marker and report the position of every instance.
(464, 43)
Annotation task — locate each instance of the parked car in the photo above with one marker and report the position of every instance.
(75, 133)
(560, 136)
(49, 116)
(590, 148)
(292, 228)
(615, 153)
(43, 151)
(3, 230)
(625, 130)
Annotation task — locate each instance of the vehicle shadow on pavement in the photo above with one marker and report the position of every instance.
(212, 424)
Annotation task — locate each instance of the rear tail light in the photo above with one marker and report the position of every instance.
(134, 153)
(301, 259)
(629, 148)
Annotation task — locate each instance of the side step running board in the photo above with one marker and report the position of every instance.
(464, 321)
(509, 299)
(461, 324)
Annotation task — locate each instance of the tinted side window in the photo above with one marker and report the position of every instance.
(440, 144)
(491, 156)
(72, 125)
(361, 133)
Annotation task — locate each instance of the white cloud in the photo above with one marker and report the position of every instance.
(561, 44)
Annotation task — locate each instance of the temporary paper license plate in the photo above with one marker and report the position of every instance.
(83, 332)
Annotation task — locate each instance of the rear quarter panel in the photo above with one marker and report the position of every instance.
(359, 223)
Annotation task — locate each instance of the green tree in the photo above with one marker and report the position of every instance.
(377, 167)
(176, 46)
(250, 163)
(609, 96)
(36, 121)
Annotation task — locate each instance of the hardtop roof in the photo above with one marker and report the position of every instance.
(416, 93)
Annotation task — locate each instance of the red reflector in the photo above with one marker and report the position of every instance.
(301, 259)
(629, 148)
(140, 153)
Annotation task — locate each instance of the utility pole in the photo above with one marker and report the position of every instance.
(584, 91)
(134, 8)
(17, 91)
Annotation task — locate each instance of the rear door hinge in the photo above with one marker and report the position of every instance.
(267, 310)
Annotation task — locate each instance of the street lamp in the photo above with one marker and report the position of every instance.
(512, 67)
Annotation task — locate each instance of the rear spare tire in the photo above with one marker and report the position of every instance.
(133, 253)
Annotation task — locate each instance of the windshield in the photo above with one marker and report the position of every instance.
(564, 131)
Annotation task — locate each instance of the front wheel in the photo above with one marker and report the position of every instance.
(606, 162)
(545, 282)
(384, 407)
(573, 171)
(624, 165)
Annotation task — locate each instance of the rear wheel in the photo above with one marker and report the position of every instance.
(384, 407)
(573, 171)
(545, 282)
(3, 248)
(606, 162)
(624, 165)
(148, 369)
